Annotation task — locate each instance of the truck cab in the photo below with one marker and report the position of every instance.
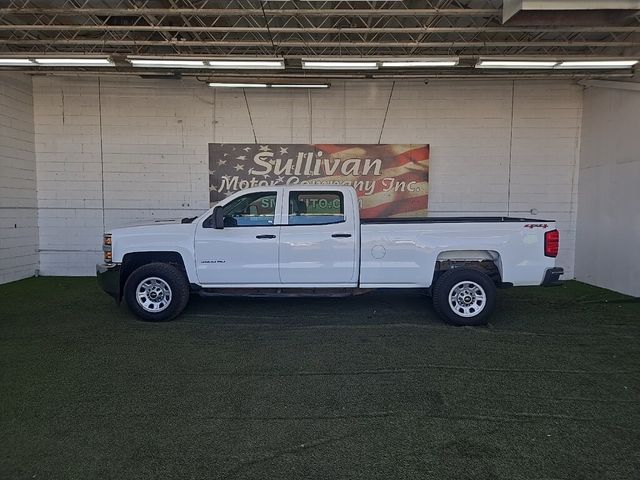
(280, 237)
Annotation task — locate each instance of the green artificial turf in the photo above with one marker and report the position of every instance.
(368, 387)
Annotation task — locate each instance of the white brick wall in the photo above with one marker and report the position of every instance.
(545, 158)
(607, 252)
(498, 147)
(18, 204)
(138, 146)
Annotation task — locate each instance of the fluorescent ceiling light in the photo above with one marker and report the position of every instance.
(598, 64)
(339, 65)
(88, 62)
(419, 63)
(139, 62)
(257, 64)
(515, 64)
(300, 85)
(237, 85)
(277, 64)
(15, 61)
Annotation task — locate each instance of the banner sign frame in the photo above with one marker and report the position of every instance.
(392, 180)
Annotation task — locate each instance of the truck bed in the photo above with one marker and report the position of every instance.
(403, 252)
(450, 220)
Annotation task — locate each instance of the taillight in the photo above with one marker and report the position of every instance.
(551, 243)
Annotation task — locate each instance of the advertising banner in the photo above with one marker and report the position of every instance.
(391, 180)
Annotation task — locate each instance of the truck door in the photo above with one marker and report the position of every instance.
(245, 251)
(318, 241)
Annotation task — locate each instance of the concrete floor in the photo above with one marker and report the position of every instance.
(371, 387)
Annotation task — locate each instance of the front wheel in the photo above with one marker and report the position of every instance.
(464, 297)
(156, 292)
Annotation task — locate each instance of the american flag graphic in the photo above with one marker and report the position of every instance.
(391, 180)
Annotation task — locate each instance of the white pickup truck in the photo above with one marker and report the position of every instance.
(310, 240)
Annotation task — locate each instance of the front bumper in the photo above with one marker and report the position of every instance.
(552, 276)
(109, 279)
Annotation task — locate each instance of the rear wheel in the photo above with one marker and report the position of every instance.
(156, 292)
(464, 297)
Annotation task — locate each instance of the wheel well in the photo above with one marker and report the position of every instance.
(485, 261)
(131, 261)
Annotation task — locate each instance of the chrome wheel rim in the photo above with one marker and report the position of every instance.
(467, 299)
(153, 294)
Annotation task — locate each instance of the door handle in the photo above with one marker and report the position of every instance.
(341, 235)
(265, 236)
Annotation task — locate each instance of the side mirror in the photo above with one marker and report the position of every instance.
(218, 218)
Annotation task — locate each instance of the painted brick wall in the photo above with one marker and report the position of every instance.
(607, 251)
(18, 203)
(116, 151)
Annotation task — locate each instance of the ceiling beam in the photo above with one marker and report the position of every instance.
(343, 45)
(270, 12)
(312, 30)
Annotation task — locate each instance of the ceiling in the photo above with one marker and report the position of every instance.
(296, 29)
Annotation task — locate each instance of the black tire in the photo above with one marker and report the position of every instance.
(171, 276)
(444, 287)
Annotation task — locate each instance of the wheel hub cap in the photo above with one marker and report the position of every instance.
(153, 294)
(467, 299)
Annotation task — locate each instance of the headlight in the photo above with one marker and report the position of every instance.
(106, 248)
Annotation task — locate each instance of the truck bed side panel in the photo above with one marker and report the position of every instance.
(405, 254)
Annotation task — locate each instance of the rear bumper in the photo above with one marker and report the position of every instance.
(552, 277)
(109, 279)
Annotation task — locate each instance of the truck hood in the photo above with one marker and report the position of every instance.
(153, 228)
(175, 221)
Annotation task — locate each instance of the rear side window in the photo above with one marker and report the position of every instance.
(315, 208)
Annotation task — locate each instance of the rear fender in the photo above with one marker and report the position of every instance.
(485, 261)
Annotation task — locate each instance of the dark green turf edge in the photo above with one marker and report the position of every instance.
(374, 386)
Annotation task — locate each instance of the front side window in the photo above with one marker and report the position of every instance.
(315, 208)
(251, 210)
